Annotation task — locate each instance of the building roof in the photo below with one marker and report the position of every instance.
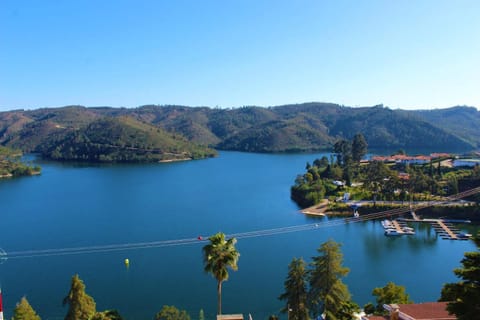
(425, 311)
(417, 311)
(401, 157)
(230, 316)
(440, 155)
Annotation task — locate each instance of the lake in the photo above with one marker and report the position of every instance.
(72, 205)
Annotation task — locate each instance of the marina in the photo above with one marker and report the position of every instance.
(397, 228)
(255, 197)
(443, 227)
(447, 231)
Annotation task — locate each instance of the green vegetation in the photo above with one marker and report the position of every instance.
(107, 315)
(288, 128)
(321, 178)
(218, 256)
(320, 289)
(390, 293)
(24, 311)
(81, 306)
(379, 181)
(12, 166)
(296, 291)
(460, 121)
(464, 296)
(123, 139)
(171, 313)
(328, 294)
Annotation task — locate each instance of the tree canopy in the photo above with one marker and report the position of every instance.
(81, 305)
(11, 164)
(296, 291)
(107, 315)
(327, 291)
(300, 127)
(359, 147)
(24, 311)
(172, 313)
(464, 296)
(390, 293)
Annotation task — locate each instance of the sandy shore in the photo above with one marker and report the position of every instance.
(175, 160)
(316, 210)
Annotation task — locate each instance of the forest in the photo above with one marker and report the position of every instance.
(11, 164)
(63, 133)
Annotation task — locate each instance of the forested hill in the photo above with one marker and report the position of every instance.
(301, 127)
(459, 121)
(86, 135)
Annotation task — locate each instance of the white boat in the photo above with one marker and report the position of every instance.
(386, 224)
(392, 232)
(464, 235)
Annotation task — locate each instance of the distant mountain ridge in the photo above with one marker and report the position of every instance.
(287, 128)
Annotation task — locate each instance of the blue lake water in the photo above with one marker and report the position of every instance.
(86, 205)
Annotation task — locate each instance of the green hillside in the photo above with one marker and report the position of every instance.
(122, 139)
(299, 127)
(462, 122)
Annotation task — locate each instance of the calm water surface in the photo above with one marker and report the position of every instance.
(72, 206)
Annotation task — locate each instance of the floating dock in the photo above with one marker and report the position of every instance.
(396, 228)
(446, 230)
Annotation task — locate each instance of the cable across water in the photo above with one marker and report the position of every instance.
(242, 235)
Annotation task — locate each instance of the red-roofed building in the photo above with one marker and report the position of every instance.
(415, 311)
(440, 155)
(401, 158)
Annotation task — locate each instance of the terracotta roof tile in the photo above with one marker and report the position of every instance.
(427, 311)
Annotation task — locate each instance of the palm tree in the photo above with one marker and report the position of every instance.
(218, 255)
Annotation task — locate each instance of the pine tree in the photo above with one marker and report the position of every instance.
(359, 147)
(296, 291)
(24, 311)
(343, 150)
(81, 305)
(464, 296)
(327, 291)
(107, 315)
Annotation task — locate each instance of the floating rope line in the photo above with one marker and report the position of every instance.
(242, 235)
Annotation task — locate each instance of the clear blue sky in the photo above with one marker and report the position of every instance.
(226, 53)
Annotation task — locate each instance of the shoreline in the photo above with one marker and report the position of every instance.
(317, 210)
(174, 160)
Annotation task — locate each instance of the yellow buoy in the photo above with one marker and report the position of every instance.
(127, 262)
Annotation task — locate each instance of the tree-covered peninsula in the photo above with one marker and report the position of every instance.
(74, 134)
(122, 139)
(12, 166)
(395, 178)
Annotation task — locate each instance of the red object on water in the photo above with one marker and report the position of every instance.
(200, 238)
(1, 306)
